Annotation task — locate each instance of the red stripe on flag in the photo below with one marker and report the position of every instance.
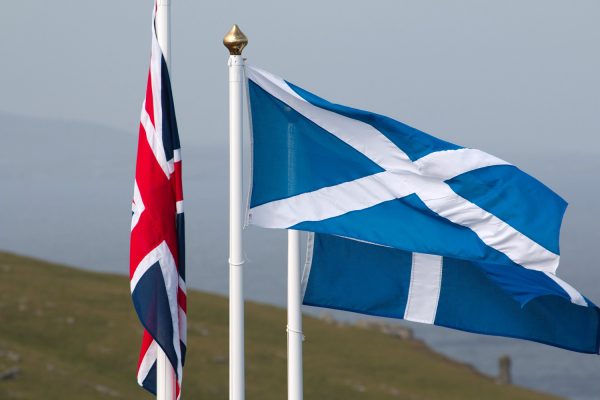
(146, 342)
(150, 99)
(157, 221)
(176, 181)
(182, 300)
(156, 215)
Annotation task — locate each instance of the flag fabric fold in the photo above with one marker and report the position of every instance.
(348, 275)
(327, 168)
(157, 248)
(408, 226)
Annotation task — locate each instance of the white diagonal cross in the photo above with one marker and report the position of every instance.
(402, 177)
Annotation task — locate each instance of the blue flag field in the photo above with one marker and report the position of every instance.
(405, 225)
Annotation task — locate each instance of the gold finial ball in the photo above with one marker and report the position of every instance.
(235, 40)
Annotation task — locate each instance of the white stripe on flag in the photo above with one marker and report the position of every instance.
(576, 297)
(446, 164)
(424, 290)
(138, 206)
(361, 136)
(310, 246)
(183, 326)
(156, 84)
(164, 257)
(154, 141)
(182, 285)
(333, 201)
(328, 202)
(371, 142)
(147, 362)
(490, 229)
(402, 177)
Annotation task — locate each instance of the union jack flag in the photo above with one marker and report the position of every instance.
(157, 252)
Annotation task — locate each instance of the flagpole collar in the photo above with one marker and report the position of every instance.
(235, 40)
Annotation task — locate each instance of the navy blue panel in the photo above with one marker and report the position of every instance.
(413, 142)
(180, 227)
(150, 382)
(359, 277)
(470, 302)
(516, 198)
(152, 306)
(170, 134)
(183, 352)
(408, 224)
(293, 155)
(374, 280)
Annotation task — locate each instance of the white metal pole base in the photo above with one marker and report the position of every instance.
(236, 257)
(165, 377)
(294, 315)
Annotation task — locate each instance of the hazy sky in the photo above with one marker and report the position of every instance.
(518, 79)
(495, 75)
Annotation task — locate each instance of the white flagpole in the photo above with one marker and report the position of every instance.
(235, 41)
(165, 375)
(294, 318)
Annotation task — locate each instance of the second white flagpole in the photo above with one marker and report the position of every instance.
(235, 41)
(294, 318)
(165, 375)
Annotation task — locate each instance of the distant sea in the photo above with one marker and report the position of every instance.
(66, 195)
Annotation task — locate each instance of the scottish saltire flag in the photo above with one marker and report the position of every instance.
(157, 266)
(332, 169)
(508, 301)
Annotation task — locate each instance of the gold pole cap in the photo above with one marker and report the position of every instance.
(235, 40)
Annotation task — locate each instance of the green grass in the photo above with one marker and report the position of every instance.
(77, 337)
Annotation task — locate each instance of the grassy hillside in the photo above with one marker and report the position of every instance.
(72, 334)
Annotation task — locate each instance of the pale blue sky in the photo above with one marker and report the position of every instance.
(518, 79)
(501, 76)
